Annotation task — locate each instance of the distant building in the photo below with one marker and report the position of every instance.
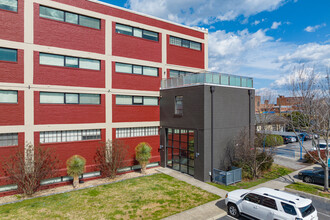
(283, 105)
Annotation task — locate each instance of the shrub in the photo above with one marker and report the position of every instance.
(110, 156)
(268, 161)
(143, 155)
(75, 168)
(273, 140)
(314, 153)
(29, 165)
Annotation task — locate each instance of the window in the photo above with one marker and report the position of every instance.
(59, 15)
(251, 197)
(288, 209)
(136, 132)
(177, 73)
(8, 54)
(67, 61)
(68, 136)
(91, 99)
(178, 105)
(268, 202)
(10, 5)
(307, 210)
(136, 100)
(136, 69)
(8, 96)
(8, 140)
(69, 98)
(72, 98)
(185, 43)
(51, 98)
(224, 79)
(136, 32)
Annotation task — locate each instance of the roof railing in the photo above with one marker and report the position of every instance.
(207, 78)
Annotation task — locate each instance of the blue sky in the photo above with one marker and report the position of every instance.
(264, 39)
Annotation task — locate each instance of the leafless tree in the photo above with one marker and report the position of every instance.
(29, 165)
(250, 156)
(110, 157)
(314, 91)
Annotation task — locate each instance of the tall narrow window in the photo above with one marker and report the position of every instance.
(178, 105)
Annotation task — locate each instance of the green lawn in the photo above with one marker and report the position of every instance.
(275, 172)
(309, 188)
(150, 197)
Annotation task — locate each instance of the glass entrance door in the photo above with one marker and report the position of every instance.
(181, 150)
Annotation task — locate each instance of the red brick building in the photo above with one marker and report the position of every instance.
(74, 73)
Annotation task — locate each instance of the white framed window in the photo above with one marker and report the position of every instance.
(8, 139)
(69, 136)
(136, 132)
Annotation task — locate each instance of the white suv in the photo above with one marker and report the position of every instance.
(265, 203)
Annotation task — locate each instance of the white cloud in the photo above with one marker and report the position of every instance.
(314, 28)
(308, 53)
(193, 12)
(275, 25)
(256, 22)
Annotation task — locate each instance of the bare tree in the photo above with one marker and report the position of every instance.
(251, 158)
(28, 166)
(314, 92)
(110, 157)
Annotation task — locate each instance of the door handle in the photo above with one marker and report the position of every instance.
(255, 207)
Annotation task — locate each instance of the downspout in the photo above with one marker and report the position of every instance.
(212, 89)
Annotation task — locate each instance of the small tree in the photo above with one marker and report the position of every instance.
(28, 166)
(110, 157)
(75, 168)
(143, 155)
(252, 159)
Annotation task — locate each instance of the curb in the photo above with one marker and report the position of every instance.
(218, 216)
(307, 195)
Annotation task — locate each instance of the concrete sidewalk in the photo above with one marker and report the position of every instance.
(281, 182)
(192, 181)
(212, 210)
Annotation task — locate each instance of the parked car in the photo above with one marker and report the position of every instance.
(266, 203)
(313, 176)
(307, 136)
(289, 139)
(321, 146)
